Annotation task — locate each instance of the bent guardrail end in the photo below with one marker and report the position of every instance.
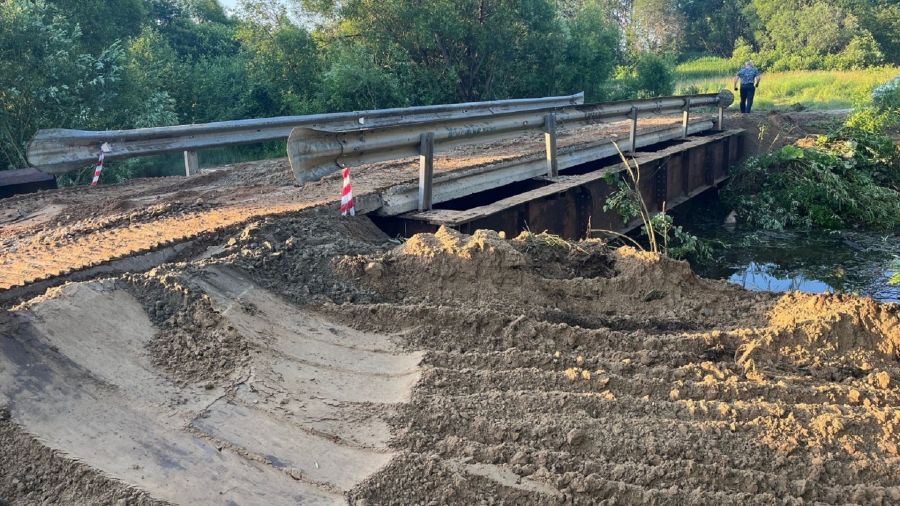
(58, 150)
(311, 163)
(726, 98)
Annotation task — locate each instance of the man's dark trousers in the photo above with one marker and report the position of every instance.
(747, 91)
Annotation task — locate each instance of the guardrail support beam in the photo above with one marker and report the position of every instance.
(191, 163)
(685, 117)
(721, 123)
(550, 142)
(426, 170)
(632, 133)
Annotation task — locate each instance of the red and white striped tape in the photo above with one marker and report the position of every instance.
(347, 207)
(97, 171)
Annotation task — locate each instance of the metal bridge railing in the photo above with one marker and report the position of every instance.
(61, 150)
(318, 144)
(316, 152)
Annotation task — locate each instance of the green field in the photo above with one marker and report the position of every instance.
(815, 89)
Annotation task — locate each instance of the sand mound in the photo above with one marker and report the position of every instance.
(825, 334)
(540, 275)
(839, 323)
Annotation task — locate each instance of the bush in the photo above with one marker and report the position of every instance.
(649, 76)
(850, 178)
(861, 52)
(654, 76)
(884, 111)
(887, 96)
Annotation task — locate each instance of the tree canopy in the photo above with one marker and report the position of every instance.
(93, 64)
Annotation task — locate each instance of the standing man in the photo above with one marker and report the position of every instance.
(749, 76)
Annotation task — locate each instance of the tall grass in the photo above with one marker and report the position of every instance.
(707, 67)
(814, 89)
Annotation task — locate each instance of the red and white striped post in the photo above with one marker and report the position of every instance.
(347, 207)
(97, 171)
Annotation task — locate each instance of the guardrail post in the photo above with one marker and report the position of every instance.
(685, 117)
(632, 133)
(550, 142)
(191, 163)
(426, 170)
(721, 121)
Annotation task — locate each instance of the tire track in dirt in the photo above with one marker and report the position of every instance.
(631, 412)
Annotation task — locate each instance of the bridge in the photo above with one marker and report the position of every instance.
(556, 183)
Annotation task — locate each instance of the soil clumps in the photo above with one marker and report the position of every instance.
(194, 343)
(625, 381)
(552, 372)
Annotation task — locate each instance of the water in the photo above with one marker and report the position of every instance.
(849, 262)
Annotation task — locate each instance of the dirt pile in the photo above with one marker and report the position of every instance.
(768, 131)
(618, 375)
(295, 256)
(826, 335)
(580, 284)
(194, 342)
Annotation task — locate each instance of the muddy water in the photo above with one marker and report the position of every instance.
(850, 262)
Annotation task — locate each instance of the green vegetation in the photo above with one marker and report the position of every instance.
(92, 64)
(663, 236)
(849, 178)
(814, 89)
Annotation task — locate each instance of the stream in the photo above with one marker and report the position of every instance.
(813, 262)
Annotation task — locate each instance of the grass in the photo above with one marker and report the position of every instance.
(814, 89)
(708, 67)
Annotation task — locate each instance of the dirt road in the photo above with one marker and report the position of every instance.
(312, 358)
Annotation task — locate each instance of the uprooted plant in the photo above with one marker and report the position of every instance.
(663, 236)
(849, 178)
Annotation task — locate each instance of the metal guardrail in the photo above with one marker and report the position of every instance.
(316, 152)
(447, 186)
(61, 150)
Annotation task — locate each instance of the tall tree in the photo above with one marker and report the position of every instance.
(656, 26)
(461, 49)
(282, 58)
(713, 26)
(102, 22)
(593, 49)
(809, 34)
